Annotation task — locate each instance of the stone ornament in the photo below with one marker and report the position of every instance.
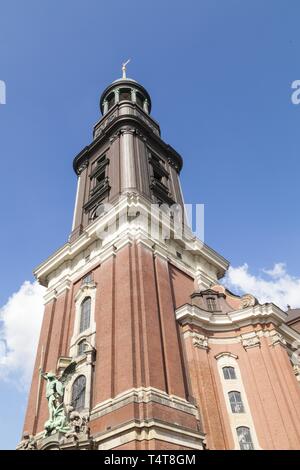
(82, 167)
(296, 369)
(57, 421)
(250, 341)
(79, 427)
(200, 341)
(248, 300)
(277, 338)
(28, 442)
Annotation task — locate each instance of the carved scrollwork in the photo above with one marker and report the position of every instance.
(200, 341)
(250, 341)
(79, 427)
(28, 442)
(296, 369)
(277, 338)
(248, 300)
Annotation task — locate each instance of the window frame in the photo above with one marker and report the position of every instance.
(229, 369)
(236, 402)
(125, 91)
(249, 442)
(111, 100)
(211, 303)
(85, 323)
(81, 344)
(87, 279)
(83, 398)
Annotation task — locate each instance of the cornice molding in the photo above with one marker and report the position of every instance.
(114, 126)
(191, 314)
(134, 229)
(143, 395)
(282, 334)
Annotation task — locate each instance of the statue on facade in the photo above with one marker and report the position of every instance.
(55, 393)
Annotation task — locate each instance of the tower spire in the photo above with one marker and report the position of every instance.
(124, 68)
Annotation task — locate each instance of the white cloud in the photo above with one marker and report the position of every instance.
(20, 322)
(274, 285)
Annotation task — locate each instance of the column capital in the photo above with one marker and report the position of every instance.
(127, 130)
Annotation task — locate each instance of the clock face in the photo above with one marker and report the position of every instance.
(78, 393)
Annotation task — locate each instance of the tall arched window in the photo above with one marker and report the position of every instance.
(139, 99)
(111, 100)
(85, 314)
(244, 437)
(78, 393)
(236, 402)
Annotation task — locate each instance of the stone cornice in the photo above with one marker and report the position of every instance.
(113, 126)
(193, 315)
(134, 229)
(152, 429)
(143, 395)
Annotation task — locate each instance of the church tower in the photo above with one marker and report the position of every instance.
(131, 312)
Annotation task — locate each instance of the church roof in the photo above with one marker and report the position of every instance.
(293, 314)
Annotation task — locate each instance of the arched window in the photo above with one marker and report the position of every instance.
(125, 94)
(85, 314)
(110, 100)
(81, 347)
(244, 437)
(139, 99)
(236, 402)
(229, 373)
(78, 393)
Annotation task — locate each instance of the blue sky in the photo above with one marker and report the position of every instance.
(219, 73)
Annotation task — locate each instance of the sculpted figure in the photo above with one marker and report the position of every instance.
(28, 442)
(78, 425)
(55, 393)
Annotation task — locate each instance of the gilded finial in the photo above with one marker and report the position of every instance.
(124, 68)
